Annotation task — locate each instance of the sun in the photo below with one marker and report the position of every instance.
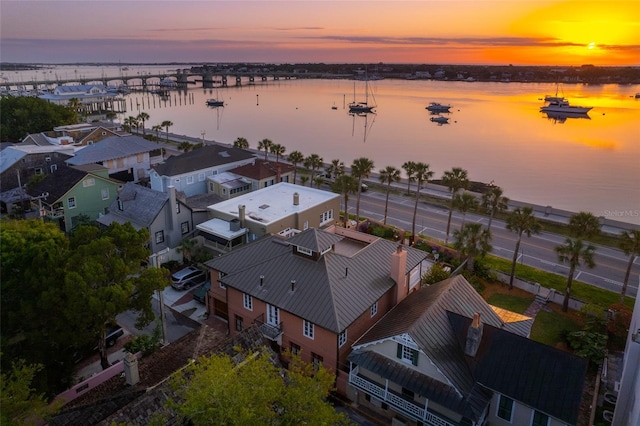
(591, 46)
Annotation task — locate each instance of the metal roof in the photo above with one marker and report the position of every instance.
(111, 148)
(202, 158)
(141, 205)
(330, 291)
(540, 376)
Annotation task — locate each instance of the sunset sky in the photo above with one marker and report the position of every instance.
(518, 32)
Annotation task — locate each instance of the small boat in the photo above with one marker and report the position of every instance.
(638, 95)
(214, 103)
(556, 97)
(334, 106)
(565, 108)
(440, 119)
(361, 107)
(436, 107)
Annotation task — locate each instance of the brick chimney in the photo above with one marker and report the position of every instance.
(474, 336)
(398, 273)
(131, 372)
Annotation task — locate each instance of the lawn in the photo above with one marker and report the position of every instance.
(551, 327)
(512, 303)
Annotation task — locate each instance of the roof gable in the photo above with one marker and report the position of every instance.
(57, 184)
(140, 205)
(261, 169)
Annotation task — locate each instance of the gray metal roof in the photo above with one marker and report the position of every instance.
(202, 158)
(313, 240)
(423, 315)
(9, 157)
(331, 291)
(540, 376)
(111, 148)
(141, 205)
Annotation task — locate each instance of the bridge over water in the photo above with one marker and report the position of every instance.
(179, 79)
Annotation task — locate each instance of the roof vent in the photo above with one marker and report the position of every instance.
(293, 285)
(296, 199)
(261, 280)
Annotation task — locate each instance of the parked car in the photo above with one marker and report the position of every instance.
(200, 294)
(188, 277)
(113, 333)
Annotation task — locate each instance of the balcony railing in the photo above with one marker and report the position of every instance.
(270, 331)
(54, 213)
(399, 404)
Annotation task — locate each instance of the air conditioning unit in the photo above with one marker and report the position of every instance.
(47, 159)
(616, 387)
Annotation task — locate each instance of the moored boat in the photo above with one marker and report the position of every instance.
(564, 107)
(215, 102)
(437, 107)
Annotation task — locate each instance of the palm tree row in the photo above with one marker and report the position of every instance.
(471, 240)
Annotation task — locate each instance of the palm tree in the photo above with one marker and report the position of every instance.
(388, 175)
(313, 163)
(456, 179)
(335, 169)
(572, 252)
(266, 145)
(318, 180)
(143, 117)
(157, 128)
(493, 202)
(584, 225)
(471, 241)
(465, 202)
(75, 105)
(166, 124)
(630, 245)
(295, 158)
(345, 185)
(422, 174)
(241, 143)
(360, 168)
(278, 150)
(410, 169)
(186, 247)
(521, 221)
(304, 179)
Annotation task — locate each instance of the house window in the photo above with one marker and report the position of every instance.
(374, 309)
(307, 329)
(105, 193)
(190, 180)
(178, 208)
(342, 338)
(306, 225)
(407, 354)
(295, 349)
(71, 201)
(505, 408)
(239, 323)
(120, 205)
(200, 177)
(159, 237)
(184, 226)
(273, 315)
(38, 170)
(140, 158)
(304, 250)
(248, 301)
(316, 360)
(539, 419)
(53, 167)
(88, 182)
(326, 216)
(222, 286)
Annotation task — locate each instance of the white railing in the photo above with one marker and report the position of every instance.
(402, 405)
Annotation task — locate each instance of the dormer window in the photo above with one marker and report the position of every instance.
(304, 250)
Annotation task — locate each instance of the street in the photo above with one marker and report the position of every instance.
(537, 251)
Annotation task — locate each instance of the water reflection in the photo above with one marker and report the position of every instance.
(560, 118)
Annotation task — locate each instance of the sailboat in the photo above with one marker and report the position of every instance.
(361, 107)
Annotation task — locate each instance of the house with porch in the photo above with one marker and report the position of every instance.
(444, 357)
(282, 209)
(188, 172)
(314, 293)
(128, 157)
(167, 219)
(74, 192)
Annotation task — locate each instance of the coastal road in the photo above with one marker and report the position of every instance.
(537, 251)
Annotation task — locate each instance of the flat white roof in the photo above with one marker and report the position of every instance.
(220, 228)
(274, 202)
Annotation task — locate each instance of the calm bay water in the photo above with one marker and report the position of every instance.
(495, 131)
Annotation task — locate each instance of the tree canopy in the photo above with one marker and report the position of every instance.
(255, 392)
(60, 293)
(22, 115)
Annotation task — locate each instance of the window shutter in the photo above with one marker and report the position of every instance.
(414, 357)
(399, 352)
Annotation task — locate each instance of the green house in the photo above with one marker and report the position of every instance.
(74, 192)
